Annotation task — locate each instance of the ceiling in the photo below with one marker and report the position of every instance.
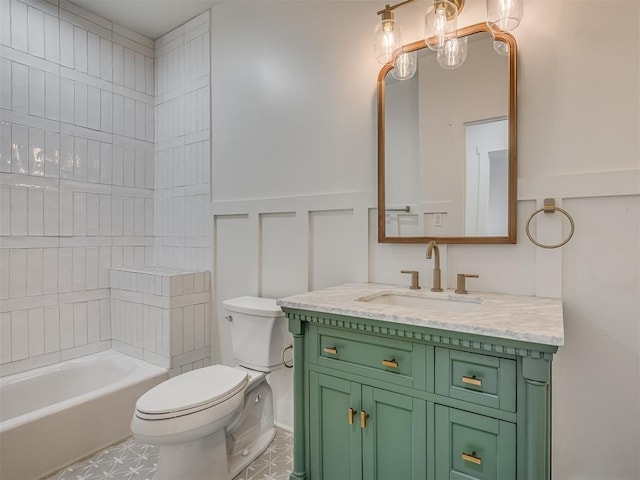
(151, 18)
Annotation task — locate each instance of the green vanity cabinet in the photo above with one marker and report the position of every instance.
(357, 431)
(382, 400)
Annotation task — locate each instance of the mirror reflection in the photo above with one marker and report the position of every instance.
(447, 141)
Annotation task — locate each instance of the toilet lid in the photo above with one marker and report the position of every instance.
(191, 392)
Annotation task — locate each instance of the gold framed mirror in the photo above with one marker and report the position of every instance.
(447, 145)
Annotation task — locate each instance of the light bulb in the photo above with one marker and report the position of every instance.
(387, 39)
(454, 53)
(405, 66)
(440, 24)
(504, 15)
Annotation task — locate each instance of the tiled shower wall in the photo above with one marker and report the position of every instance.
(76, 175)
(182, 201)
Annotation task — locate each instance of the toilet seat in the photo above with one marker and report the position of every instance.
(191, 392)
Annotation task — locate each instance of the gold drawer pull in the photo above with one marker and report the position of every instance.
(471, 457)
(331, 350)
(351, 414)
(472, 381)
(363, 419)
(390, 363)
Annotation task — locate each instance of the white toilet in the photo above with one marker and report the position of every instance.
(212, 422)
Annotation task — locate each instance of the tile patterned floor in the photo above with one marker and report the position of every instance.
(130, 460)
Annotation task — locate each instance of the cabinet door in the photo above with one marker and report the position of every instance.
(472, 446)
(335, 445)
(394, 439)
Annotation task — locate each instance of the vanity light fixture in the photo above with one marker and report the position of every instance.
(440, 33)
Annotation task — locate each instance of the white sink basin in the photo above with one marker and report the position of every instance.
(423, 303)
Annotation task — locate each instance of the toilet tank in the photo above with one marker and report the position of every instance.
(258, 332)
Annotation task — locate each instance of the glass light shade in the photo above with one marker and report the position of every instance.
(405, 66)
(454, 53)
(504, 15)
(387, 39)
(502, 48)
(440, 24)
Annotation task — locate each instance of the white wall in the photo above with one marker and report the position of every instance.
(76, 176)
(294, 178)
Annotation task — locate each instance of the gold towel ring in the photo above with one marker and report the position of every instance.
(550, 207)
(290, 346)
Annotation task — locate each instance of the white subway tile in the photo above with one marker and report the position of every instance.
(106, 60)
(66, 326)
(66, 44)
(129, 69)
(118, 64)
(5, 24)
(105, 320)
(19, 150)
(198, 320)
(36, 331)
(20, 87)
(141, 120)
(104, 263)
(79, 213)
(149, 170)
(66, 214)
(117, 222)
(81, 103)
(129, 166)
(52, 96)
(34, 272)
(51, 213)
(36, 32)
(19, 335)
(67, 100)
(139, 166)
(49, 271)
(93, 53)
(5, 335)
(51, 329)
(80, 49)
(93, 161)
(5, 268)
(19, 26)
(150, 124)
(118, 114)
(149, 76)
(93, 321)
(36, 152)
(19, 211)
(17, 273)
(188, 329)
(93, 107)
(198, 282)
(5, 83)
(65, 270)
(187, 284)
(139, 216)
(79, 268)
(51, 38)
(148, 217)
(80, 324)
(92, 272)
(5, 210)
(176, 339)
(36, 92)
(128, 216)
(129, 117)
(105, 215)
(35, 215)
(5, 146)
(118, 165)
(51, 154)
(66, 157)
(106, 163)
(80, 158)
(106, 111)
(93, 214)
(140, 72)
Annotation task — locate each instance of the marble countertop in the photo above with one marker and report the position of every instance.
(515, 317)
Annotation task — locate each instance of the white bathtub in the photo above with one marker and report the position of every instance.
(55, 415)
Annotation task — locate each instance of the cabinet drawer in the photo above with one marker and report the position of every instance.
(476, 378)
(472, 446)
(390, 359)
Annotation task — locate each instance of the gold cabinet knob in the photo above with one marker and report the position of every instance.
(350, 415)
(471, 457)
(390, 363)
(330, 350)
(363, 419)
(472, 381)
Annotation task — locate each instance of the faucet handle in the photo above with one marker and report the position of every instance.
(415, 283)
(461, 288)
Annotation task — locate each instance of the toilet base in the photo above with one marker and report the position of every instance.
(239, 462)
(202, 459)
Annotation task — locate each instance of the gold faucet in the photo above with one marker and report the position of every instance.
(415, 283)
(432, 247)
